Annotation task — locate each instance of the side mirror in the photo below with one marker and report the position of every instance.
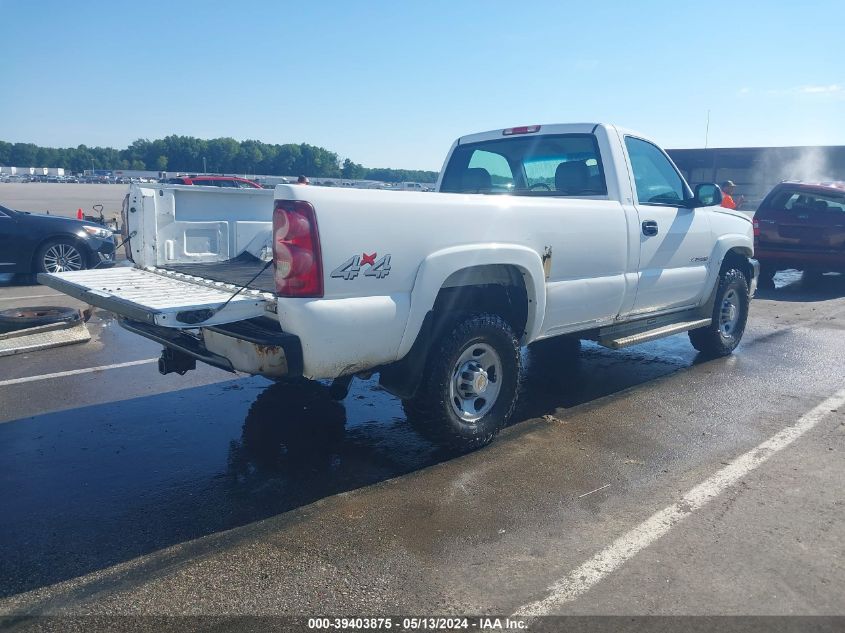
(707, 195)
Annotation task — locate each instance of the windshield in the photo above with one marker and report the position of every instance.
(550, 165)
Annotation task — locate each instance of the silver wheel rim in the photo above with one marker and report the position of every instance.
(476, 382)
(60, 258)
(729, 313)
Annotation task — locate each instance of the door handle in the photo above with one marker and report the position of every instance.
(649, 228)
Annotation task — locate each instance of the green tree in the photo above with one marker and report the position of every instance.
(353, 171)
(186, 153)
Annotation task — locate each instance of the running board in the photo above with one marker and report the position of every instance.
(650, 335)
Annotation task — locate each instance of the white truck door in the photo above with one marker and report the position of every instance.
(675, 241)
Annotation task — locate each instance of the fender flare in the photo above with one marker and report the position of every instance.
(726, 243)
(723, 245)
(438, 266)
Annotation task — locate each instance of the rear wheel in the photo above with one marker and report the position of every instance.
(766, 280)
(470, 386)
(59, 256)
(730, 314)
(811, 278)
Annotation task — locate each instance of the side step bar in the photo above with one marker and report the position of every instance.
(650, 335)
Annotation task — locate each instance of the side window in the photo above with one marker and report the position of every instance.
(495, 165)
(656, 180)
(225, 183)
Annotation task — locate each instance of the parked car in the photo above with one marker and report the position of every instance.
(581, 231)
(35, 243)
(801, 225)
(214, 181)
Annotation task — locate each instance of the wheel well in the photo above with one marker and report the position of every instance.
(83, 247)
(738, 258)
(499, 289)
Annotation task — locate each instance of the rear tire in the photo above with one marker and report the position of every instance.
(766, 280)
(730, 314)
(811, 278)
(469, 389)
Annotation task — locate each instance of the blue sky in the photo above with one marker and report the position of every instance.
(391, 84)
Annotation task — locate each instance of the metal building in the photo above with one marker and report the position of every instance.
(755, 170)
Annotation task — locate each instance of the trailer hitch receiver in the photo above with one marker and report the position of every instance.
(173, 361)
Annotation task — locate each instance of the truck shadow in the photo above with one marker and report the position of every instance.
(89, 488)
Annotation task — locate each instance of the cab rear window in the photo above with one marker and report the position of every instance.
(549, 165)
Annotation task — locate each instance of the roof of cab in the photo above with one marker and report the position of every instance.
(553, 128)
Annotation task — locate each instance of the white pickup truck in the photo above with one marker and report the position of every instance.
(582, 231)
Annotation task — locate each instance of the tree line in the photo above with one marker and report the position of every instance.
(219, 155)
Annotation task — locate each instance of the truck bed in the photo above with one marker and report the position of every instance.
(237, 272)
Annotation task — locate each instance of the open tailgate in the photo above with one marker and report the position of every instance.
(161, 297)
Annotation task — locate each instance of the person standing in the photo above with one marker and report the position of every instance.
(302, 180)
(728, 189)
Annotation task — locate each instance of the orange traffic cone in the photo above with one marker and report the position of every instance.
(79, 215)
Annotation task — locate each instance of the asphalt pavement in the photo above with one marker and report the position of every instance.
(127, 492)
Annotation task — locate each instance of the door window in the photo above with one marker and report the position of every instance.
(656, 179)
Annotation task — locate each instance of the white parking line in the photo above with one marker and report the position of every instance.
(74, 372)
(58, 294)
(590, 573)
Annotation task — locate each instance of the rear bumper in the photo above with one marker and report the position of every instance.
(246, 346)
(826, 260)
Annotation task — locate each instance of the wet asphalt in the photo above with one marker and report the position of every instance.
(127, 492)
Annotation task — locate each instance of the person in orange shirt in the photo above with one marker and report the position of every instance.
(728, 188)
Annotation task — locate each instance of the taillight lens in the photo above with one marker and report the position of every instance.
(296, 250)
(756, 228)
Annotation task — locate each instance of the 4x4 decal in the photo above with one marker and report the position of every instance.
(349, 270)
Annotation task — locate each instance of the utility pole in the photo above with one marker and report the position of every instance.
(707, 130)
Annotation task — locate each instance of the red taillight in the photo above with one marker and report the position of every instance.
(525, 129)
(296, 250)
(756, 228)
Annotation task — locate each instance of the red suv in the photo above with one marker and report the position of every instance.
(801, 225)
(215, 181)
